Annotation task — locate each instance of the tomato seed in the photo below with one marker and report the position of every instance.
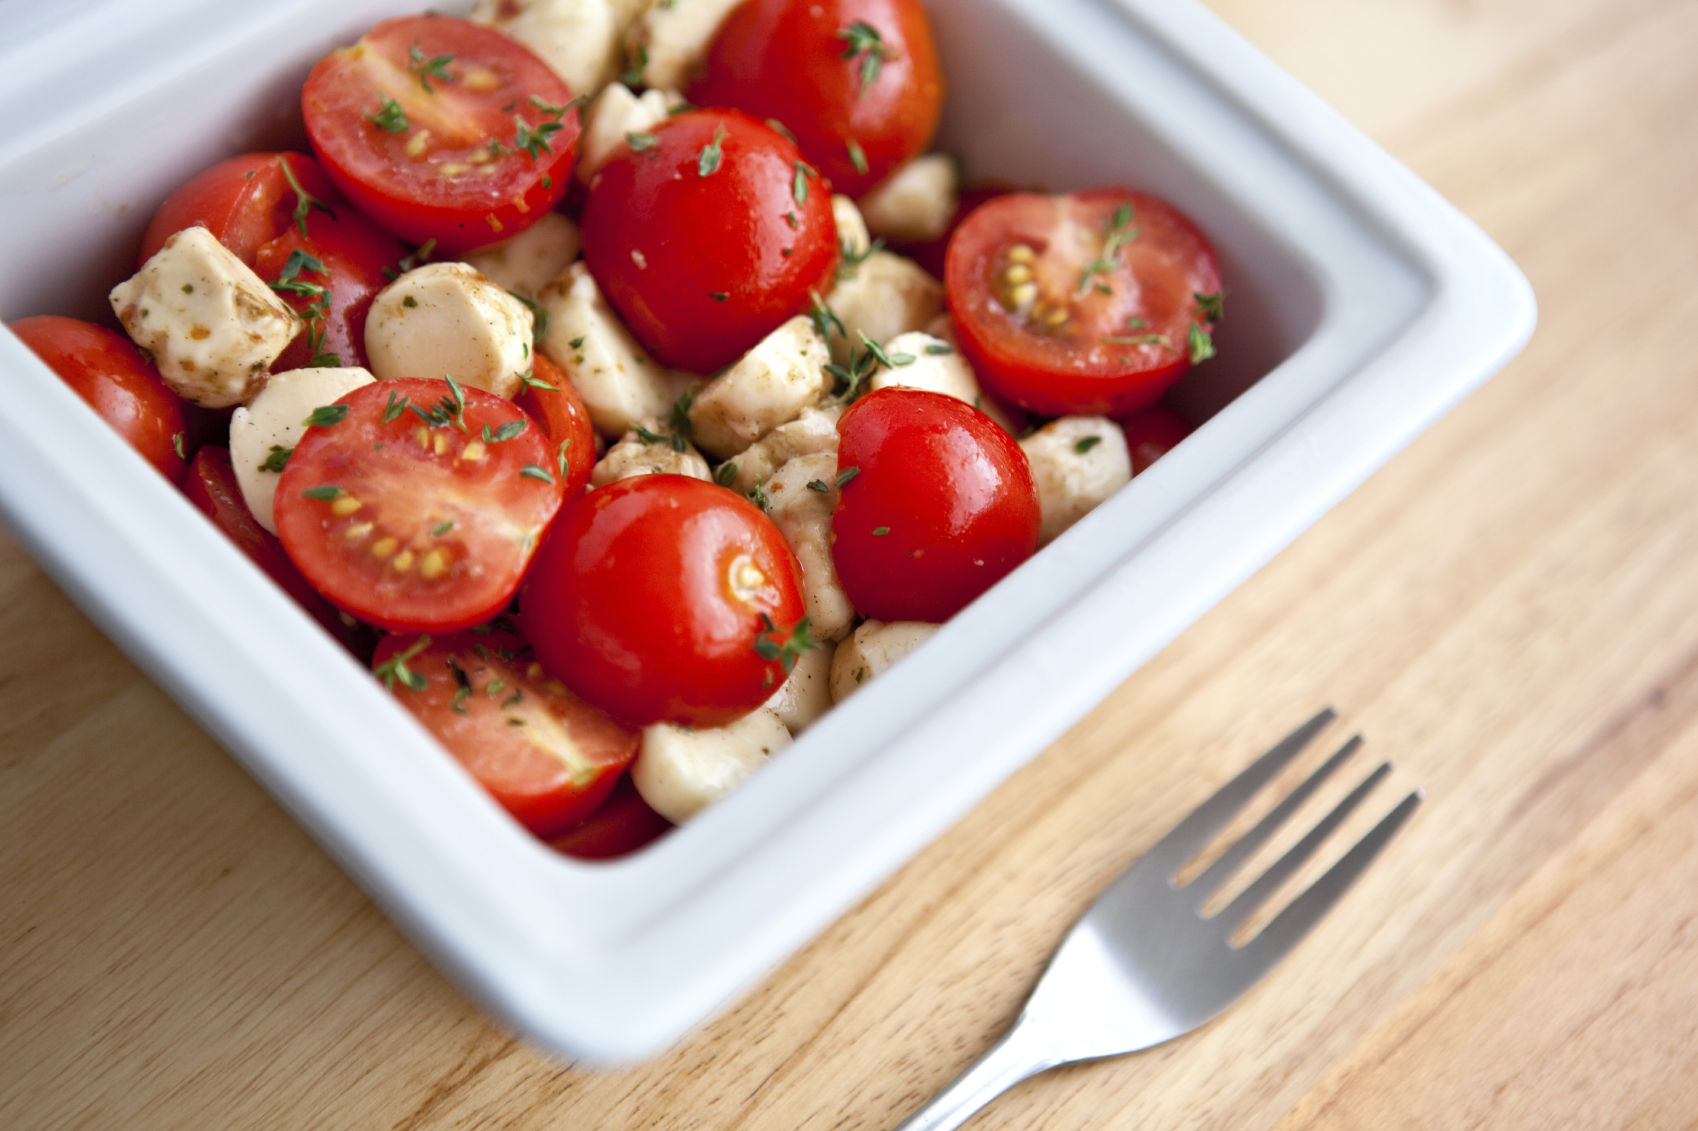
(383, 548)
(435, 564)
(345, 506)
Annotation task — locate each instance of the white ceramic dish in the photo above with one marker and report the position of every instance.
(1361, 307)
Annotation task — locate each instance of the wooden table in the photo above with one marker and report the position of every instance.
(1509, 611)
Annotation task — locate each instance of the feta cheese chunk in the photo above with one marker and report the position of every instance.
(681, 770)
(888, 295)
(1078, 461)
(612, 118)
(447, 318)
(667, 42)
(801, 497)
(914, 203)
(873, 650)
(813, 430)
(211, 324)
(806, 695)
(781, 376)
(580, 40)
(527, 262)
(621, 385)
(654, 454)
(264, 433)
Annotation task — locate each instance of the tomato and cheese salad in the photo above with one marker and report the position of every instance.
(627, 383)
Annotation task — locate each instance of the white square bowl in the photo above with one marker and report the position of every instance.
(1360, 308)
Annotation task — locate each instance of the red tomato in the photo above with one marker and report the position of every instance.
(807, 63)
(941, 506)
(416, 525)
(440, 129)
(544, 754)
(116, 380)
(709, 238)
(623, 824)
(244, 202)
(663, 598)
(564, 418)
(1093, 302)
(1151, 433)
(210, 484)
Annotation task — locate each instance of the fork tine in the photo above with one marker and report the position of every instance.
(1233, 858)
(1189, 837)
(1290, 925)
(1241, 908)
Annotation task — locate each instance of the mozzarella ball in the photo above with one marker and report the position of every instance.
(770, 385)
(874, 649)
(801, 496)
(1077, 461)
(681, 770)
(447, 319)
(914, 203)
(526, 263)
(264, 433)
(806, 695)
(888, 295)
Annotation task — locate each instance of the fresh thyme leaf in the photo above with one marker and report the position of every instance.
(440, 529)
(779, 126)
(718, 296)
(530, 379)
(633, 75)
(507, 431)
(278, 459)
(390, 117)
(818, 485)
(850, 262)
(539, 316)
(681, 422)
(824, 319)
(1087, 443)
(177, 444)
(425, 69)
(327, 493)
(304, 201)
(726, 475)
(758, 497)
(532, 471)
(939, 349)
(641, 142)
(799, 187)
(533, 139)
(576, 343)
(1202, 346)
(395, 668)
(396, 406)
(880, 531)
(857, 157)
(708, 163)
(1209, 307)
(848, 473)
(648, 437)
(327, 415)
(864, 40)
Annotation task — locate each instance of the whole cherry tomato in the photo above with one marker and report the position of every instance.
(937, 505)
(856, 81)
(663, 598)
(1092, 302)
(439, 129)
(708, 234)
(244, 202)
(550, 399)
(116, 380)
(1151, 433)
(418, 508)
(545, 755)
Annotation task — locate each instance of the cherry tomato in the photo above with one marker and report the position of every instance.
(856, 81)
(1092, 302)
(941, 505)
(116, 380)
(564, 419)
(416, 524)
(1151, 433)
(544, 754)
(244, 202)
(440, 129)
(709, 238)
(623, 824)
(210, 484)
(663, 598)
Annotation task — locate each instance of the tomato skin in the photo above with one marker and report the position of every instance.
(783, 59)
(375, 549)
(565, 419)
(1151, 433)
(663, 240)
(244, 202)
(1152, 289)
(623, 824)
(440, 193)
(550, 772)
(631, 601)
(952, 492)
(116, 380)
(354, 254)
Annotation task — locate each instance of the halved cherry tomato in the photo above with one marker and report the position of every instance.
(1151, 433)
(937, 505)
(663, 598)
(856, 81)
(544, 754)
(116, 380)
(560, 412)
(1092, 302)
(440, 129)
(709, 236)
(210, 484)
(419, 510)
(623, 824)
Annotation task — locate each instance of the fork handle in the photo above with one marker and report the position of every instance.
(1023, 1051)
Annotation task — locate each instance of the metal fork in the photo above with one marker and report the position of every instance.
(1143, 965)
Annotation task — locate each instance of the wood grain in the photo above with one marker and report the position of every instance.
(1509, 611)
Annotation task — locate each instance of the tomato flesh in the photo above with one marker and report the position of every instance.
(1089, 302)
(663, 598)
(439, 129)
(941, 505)
(545, 755)
(413, 525)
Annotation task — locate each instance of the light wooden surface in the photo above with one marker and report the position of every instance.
(1509, 611)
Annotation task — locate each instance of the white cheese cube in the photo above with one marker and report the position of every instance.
(446, 319)
(612, 118)
(806, 695)
(580, 40)
(873, 650)
(264, 433)
(914, 203)
(655, 454)
(852, 235)
(667, 42)
(1078, 461)
(527, 262)
(621, 385)
(801, 497)
(888, 295)
(813, 430)
(770, 385)
(681, 770)
(211, 324)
